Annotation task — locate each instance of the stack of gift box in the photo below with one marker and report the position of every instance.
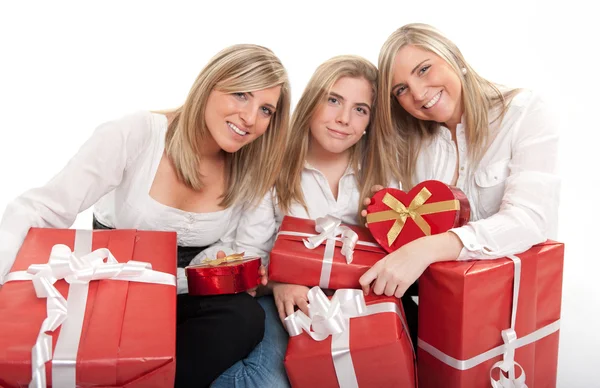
(98, 309)
(482, 323)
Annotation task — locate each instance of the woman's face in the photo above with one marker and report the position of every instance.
(236, 119)
(340, 120)
(426, 86)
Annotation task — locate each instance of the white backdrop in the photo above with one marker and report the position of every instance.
(66, 67)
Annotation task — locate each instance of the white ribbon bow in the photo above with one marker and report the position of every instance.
(329, 228)
(332, 318)
(78, 272)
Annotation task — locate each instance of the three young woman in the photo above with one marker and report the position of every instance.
(190, 170)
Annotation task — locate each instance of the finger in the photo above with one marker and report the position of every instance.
(262, 270)
(302, 305)
(264, 280)
(390, 288)
(252, 292)
(367, 278)
(289, 307)
(399, 292)
(379, 286)
(363, 213)
(367, 201)
(376, 188)
(221, 255)
(280, 309)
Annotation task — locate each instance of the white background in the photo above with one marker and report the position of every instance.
(67, 67)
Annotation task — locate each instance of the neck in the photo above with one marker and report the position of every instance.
(210, 150)
(319, 157)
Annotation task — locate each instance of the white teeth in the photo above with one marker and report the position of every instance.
(432, 101)
(236, 129)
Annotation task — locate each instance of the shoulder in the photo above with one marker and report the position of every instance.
(134, 131)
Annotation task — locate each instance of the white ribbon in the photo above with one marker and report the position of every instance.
(329, 228)
(332, 318)
(507, 350)
(77, 270)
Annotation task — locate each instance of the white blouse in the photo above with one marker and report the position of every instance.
(514, 191)
(258, 227)
(114, 169)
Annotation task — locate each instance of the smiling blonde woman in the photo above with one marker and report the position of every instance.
(189, 171)
(438, 119)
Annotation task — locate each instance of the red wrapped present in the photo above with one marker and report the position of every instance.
(101, 316)
(324, 253)
(349, 341)
(431, 207)
(486, 321)
(228, 275)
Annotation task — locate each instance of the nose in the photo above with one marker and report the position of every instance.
(419, 92)
(343, 116)
(248, 115)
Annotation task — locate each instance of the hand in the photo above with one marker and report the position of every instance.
(289, 295)
(262, 272)
(397, 271)
(367, 201)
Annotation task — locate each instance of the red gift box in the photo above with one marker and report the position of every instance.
(229, 275)
(466, 310)
(304, 255)
(396, 218)
(372, 350)
(127, 336)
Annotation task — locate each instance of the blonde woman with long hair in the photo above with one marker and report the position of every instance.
(189, 170)
(321, 174)
(438, 119)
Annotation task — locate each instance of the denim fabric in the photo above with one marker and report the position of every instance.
(263, 368)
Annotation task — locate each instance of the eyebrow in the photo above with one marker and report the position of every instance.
(267, 104)
(411, 73)
(334, 94)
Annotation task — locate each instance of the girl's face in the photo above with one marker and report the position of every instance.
(339, 121)
(236, 119)
(426, 86)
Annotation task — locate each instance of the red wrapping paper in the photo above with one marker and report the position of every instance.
(381, 353)
(128, 336)
(464, 306)
(226, 278)
(438, 222)
(292, 262)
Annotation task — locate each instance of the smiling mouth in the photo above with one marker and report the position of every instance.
(433, 101)
(338, 132)
(235, 129)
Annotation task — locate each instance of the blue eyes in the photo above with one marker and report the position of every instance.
(244, 97)
(400, 90)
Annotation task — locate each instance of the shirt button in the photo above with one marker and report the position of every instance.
(472, 245)
(462, 168)
(496, 178)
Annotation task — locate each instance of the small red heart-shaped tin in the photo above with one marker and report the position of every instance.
(395, 217)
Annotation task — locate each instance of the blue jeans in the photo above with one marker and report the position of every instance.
(263, 368)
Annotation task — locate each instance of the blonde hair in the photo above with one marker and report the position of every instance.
(252, 170)
(288, 186)
(400, 135)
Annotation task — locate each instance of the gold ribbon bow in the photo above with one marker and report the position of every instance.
(224, 260)
(416, 209)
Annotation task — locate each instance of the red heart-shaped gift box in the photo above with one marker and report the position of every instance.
(395, 217)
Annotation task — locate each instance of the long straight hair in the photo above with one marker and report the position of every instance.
(252, 170)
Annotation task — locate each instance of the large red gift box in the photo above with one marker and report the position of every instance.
(466, 309)
(294, 260)
(229, 275)
(128, 333)
(374, 350)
